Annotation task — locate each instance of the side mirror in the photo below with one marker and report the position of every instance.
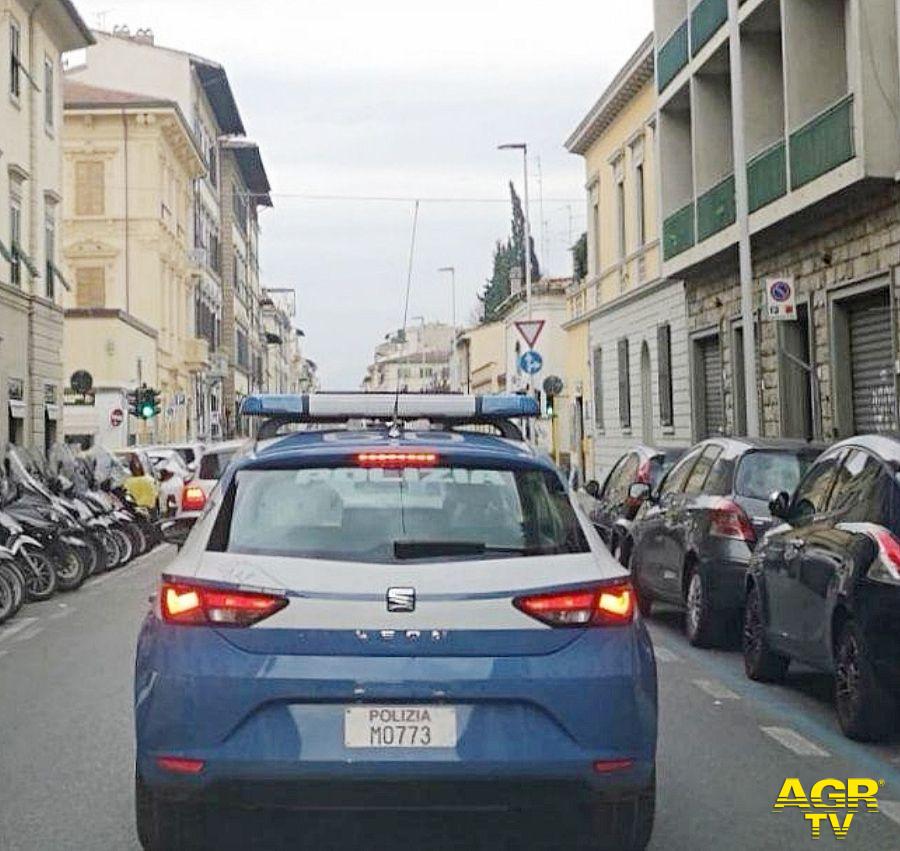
(176, 531)
(779, 505)
(638, 491)
(593, 488)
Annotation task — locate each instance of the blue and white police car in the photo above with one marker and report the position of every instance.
(409, 612)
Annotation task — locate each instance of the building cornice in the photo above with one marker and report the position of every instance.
(637, 72)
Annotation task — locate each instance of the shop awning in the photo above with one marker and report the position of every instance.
(52, 412)
(17, 409)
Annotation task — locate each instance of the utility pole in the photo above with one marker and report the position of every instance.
(742, 205)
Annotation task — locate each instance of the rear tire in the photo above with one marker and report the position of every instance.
(166, 825)
(644, 600)
(126, 546)
(760, 662)
(702, 623)
(40, 576)
(865, 709)
(11, 571)
(624, 825)
(7, 598)
(70, 568)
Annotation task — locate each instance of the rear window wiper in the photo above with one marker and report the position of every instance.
(433, 549)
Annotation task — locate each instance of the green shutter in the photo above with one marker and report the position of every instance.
(664, 360)
(624, 384)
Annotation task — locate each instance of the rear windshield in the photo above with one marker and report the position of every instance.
(384, 515)
(661, 464)
(760, 474)
(214, 464)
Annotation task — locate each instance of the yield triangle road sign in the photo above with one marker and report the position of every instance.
(530, 330)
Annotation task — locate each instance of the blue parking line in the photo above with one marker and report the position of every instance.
(836, 742)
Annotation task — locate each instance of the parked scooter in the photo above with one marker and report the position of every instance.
(55, 525)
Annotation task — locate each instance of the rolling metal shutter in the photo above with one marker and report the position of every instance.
(713, 396)
(872, 364)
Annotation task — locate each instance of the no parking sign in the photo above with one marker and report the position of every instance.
(781, 298)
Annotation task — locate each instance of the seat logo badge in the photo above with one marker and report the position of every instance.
(401, 599)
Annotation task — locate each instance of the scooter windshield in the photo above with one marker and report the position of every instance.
(108, 470)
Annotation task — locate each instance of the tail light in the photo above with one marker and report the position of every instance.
(193, 498)
(728, 520)
(887, 568)
(184, 603)
(596, 605)
(180, 765)
(396, 460)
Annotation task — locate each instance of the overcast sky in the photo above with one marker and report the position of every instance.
(400, 99)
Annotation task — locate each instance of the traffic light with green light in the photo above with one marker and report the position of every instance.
(149, 403)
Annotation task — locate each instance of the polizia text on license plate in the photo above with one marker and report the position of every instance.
(400, 727)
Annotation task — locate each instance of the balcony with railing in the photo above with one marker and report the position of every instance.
(672, 56)
(823, 144)
(716, 209)
(678, 232)
(707, 18)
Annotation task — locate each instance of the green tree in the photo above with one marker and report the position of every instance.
(517, 243)
(497, 288)
(579, 258)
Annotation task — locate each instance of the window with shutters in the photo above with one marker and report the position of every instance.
(624, 384)
(598, 388)
(15, 71)
(48, 94)
(90, 189)
(664, 360)
(90, 287)
(15, 238)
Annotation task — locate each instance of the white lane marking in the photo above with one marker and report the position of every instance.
(793, 741)
(716, 690)
(9, 631)
(96, 583)
(891, 809)
(663, 654)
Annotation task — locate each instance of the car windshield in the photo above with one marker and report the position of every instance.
(354, 514)
(214, 464)
(760, 474)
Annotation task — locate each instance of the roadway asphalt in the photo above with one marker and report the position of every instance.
(726, 747)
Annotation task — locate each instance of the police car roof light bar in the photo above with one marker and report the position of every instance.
(334, 407)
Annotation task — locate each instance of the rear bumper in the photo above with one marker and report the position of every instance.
(877, 609)
(725, 572)
(270, 728)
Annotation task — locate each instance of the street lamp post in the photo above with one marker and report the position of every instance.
(523, 147)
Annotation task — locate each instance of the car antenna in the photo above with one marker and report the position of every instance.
(396, 428)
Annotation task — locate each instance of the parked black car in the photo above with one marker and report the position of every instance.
(693, 538)
(613, 509)
(824, 587)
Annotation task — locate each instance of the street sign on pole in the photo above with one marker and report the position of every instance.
(531, 363)
(530, 330)
(781, 298)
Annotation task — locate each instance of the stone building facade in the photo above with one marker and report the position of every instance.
(843, 259)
